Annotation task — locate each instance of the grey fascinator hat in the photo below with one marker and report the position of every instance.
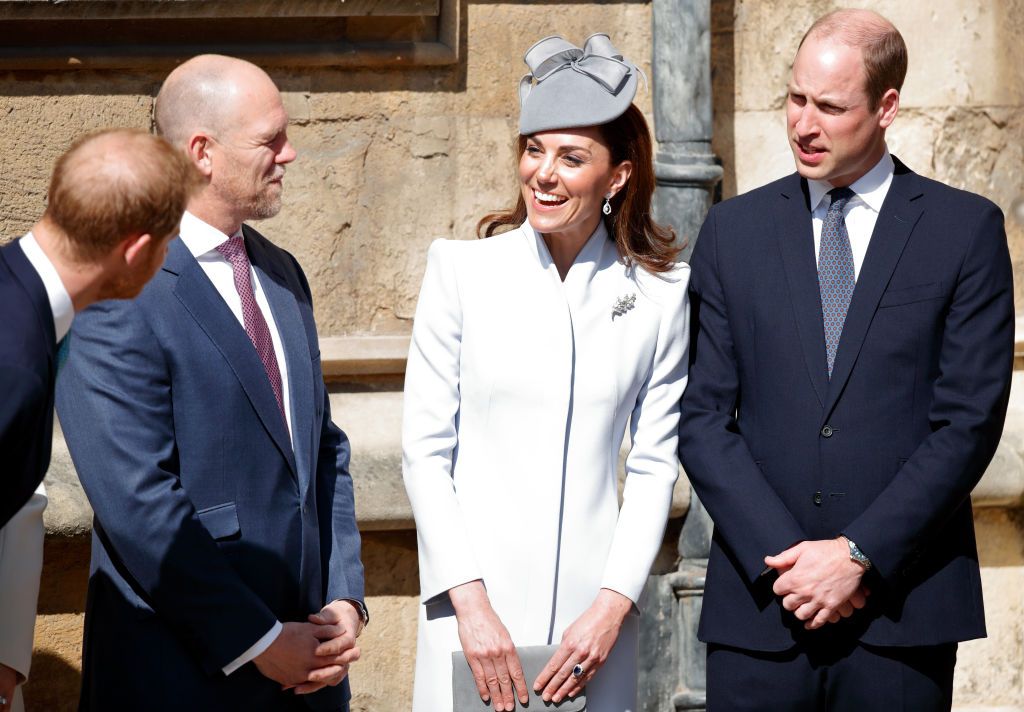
(568, 87)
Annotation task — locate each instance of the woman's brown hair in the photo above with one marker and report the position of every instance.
(640, 240)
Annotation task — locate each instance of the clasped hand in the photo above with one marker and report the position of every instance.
(492, 657)
(309, 656)
(587, 643)
(818, 582)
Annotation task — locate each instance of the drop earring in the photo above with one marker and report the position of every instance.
(607, 208)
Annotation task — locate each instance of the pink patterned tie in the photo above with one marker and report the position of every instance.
(255, 323)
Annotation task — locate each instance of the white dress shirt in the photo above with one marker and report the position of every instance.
(202, 241)
(861, 212)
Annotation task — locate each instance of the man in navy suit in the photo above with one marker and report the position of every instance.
(115, 199)
(850, 377)
(225, 567)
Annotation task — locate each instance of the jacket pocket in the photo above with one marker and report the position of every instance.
(910, 295)
(220, 520)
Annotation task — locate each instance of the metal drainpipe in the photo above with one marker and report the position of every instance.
(672, 670)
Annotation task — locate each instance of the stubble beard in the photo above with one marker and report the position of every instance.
(266, 204)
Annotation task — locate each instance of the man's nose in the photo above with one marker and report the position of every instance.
(287, 154)
(807, 122)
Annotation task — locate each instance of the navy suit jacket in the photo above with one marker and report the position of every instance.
(209, 524)
(887, 450)
(27, 372)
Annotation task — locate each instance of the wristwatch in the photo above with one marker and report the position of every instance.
(856, 555)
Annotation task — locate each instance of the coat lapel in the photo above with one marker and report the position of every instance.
(895, 222)
(200, 298)
(796, 242)
(290, 327)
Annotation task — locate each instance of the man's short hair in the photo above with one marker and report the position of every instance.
(880, 43)
(118, 183)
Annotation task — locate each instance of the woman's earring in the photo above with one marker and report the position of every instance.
(607, 209)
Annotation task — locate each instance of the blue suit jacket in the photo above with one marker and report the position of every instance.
(27, 373)
(209, 523)
(888, 450)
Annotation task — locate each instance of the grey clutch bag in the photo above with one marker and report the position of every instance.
(533, 659)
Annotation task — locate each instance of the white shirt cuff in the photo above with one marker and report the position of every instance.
(257, 648)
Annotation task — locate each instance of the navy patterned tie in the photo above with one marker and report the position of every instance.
(835, 272)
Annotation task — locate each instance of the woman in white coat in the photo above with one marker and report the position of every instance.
(531, 351)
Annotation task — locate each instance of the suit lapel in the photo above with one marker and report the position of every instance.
(895, 222)
(295, 344)
(796, 242)
(200, 298)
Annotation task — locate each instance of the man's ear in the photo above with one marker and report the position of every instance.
(888, 107)
(198, 149)
(133, 248)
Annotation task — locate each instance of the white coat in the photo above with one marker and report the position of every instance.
(21, 563)
(518, 390)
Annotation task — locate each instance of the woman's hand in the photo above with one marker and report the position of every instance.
(488, 647)
(587, 643)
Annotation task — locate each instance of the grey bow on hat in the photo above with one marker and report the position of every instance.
(599, 87)
(598, 59)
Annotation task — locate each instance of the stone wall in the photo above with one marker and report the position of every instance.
(392, 159)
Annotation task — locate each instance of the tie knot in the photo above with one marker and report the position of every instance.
(234, 250)
(840, 197)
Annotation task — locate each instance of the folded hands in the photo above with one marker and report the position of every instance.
(818, 582)
(307, 657)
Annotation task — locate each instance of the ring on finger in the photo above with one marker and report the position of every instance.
(578, 671)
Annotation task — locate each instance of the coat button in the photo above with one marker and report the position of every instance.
(817, 498)
(826, 432)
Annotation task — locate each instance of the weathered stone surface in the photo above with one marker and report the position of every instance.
(67, 512)
(990, 671)
(382, 681)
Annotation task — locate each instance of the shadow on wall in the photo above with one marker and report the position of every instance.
(723, 93)
(54, 684)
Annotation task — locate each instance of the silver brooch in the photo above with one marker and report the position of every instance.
(623, 304)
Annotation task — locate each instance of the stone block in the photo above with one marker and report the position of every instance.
(760, 149)
(989, 671)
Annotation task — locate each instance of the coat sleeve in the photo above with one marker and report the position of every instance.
(430, 430)
(747, 512)
(114, 403)
(968, 407)
(652, 465)
(22, 425)
(21, 563)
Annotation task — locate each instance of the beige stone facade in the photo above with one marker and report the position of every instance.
(390, 159)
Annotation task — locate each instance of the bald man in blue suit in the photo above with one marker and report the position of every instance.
(226, 567)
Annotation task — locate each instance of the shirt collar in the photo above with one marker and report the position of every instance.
(60, 301)
(201, 237)
(871, 187)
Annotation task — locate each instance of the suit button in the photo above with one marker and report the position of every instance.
(826, 432)
(817, 498)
